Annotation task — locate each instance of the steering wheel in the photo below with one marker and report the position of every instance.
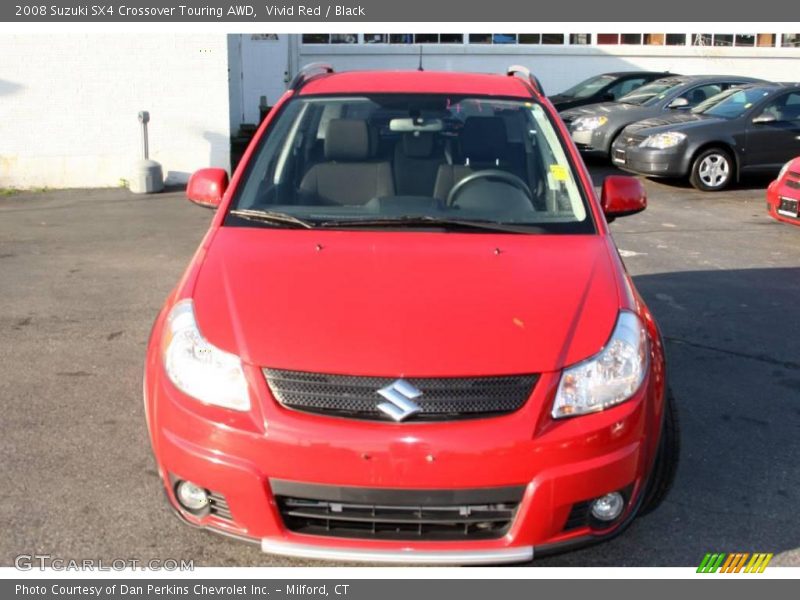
(495, 174)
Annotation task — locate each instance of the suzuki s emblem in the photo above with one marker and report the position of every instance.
(400, 400)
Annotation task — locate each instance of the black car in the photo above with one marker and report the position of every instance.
(607, 87)
(594, 128)
(747, 129)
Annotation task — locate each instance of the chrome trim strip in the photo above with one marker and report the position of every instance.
(408, 556)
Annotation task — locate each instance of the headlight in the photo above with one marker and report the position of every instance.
(663, 140)
(199, 369)
(608, 378)
(784, 168)
(588, 123)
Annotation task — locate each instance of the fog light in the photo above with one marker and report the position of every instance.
(191, 496)
(608, 507)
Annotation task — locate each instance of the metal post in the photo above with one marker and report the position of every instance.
(144, 118)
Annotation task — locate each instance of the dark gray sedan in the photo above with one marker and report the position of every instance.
(595, 127)
(748, 129)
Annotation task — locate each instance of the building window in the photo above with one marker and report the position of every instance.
(451, 38)
(504, 38)
(723, 39)
(580, 39)
(344, 38)
(316, 38)
(702, 39)
(552, 38)
(401, 38)
(745, 39)
(426, 38)
(676, 39)
(530, 38)
(790, 40)
(630, 38)
(765, 40)
(607, 39)
(376, 38)
(480, 38)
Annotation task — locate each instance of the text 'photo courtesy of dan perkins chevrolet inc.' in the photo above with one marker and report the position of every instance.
(372, 300)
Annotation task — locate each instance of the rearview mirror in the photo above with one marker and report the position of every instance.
(764, 118)
(678, 103)
(622, 196)
(207, 186)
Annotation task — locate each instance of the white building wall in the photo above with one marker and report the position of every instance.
(69, 105)
(559, 67)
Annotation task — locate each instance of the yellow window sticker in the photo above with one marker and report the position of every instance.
(559, 172)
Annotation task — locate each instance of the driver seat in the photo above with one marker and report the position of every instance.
(484, 145)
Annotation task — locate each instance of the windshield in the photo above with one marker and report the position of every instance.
(588, 87)
(421, 161)
(731, 103)
(651, 93)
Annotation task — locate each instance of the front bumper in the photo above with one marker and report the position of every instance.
(783, 190)
(560, 464)
(592, 143)
(648, 161)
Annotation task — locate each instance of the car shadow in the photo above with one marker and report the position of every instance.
(733, 347)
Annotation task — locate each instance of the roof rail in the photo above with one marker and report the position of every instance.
(525, 74)
(309, 72)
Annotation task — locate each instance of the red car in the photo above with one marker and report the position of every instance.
(783, 194)
(408, 336)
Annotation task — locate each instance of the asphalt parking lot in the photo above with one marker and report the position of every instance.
(83, 273)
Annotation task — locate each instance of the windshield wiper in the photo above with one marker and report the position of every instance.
(268, 216)
(429, 221)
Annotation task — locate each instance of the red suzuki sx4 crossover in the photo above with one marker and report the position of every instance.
(408, 336)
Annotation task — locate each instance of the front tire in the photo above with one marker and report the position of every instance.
(666, 464)
(712, 170)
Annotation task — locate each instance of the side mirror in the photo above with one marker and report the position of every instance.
(678, 103)
(764, 118)
(207, 186)
(622, 196)
(609, 97)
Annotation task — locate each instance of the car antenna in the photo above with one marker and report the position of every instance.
(419, 68)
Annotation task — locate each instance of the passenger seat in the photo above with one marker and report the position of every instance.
(348, 176)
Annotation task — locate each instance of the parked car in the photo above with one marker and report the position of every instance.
(607, 87)
(783, 194)
(408, 336)
(748, 130)
(594, 128)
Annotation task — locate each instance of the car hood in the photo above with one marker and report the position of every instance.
(407, 303)
(678, 121)
(562, 102)
(606, 108)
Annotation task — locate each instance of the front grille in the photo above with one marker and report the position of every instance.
(399, 514)
(443, 398)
